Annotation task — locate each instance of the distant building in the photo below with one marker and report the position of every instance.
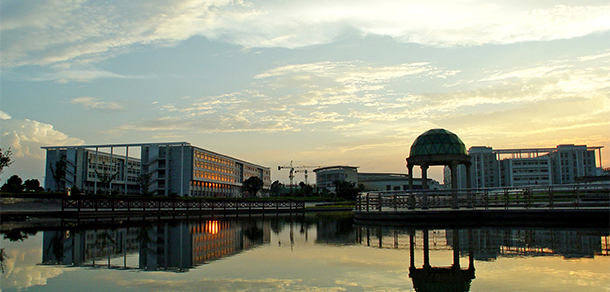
(565, 164)
(326, 176)
(392, 182)
(169, 168)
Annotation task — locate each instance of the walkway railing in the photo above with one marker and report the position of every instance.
(529, 197)
(148, 205)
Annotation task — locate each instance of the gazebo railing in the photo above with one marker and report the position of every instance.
(148, 205)
(527, 197)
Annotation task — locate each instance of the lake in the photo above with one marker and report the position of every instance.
(313, 252)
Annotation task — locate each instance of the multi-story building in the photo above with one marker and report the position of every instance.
(485, 168)
(90, 170)
(392, 182)
(565, 164)
(326, 176)
(526, 171)
(163, 169)
(570, 162)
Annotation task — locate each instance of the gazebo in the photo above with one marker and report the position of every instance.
(438, 147)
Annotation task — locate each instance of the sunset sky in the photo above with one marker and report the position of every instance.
(318, 82)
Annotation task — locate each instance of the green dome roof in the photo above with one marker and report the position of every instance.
(437, 142)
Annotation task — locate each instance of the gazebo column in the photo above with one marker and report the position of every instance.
(468, 176)
(424, 185)
(410, 172)
(470, 251)
(412, 248)
(469, 185)
(424, 176)
(411, 195)
(456, 249)
(454, 185)
(426, 250)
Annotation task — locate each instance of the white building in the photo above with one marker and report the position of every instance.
(326, 176)
(167, 168)
(392, 182)
(564, 164)
(90, 170)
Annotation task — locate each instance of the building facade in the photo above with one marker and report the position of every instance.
(90, 170)
(392, 182)
(326, 176)
(176, 169)
(565, 164)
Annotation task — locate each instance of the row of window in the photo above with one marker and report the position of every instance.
(205, 184)
(213, 158)
(213, 176)
(215, 167)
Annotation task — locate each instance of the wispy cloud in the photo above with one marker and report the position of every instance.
(95, 104)
(68, 32)
(290, 98)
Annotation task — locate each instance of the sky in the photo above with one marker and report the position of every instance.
(319, 83)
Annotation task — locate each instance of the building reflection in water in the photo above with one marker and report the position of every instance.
(481, 244)
(169, 246)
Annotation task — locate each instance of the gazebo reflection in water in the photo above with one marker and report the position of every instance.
(428, 278)
(449, 279)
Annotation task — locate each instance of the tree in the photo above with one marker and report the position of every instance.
(105, 179)
(347, 189)
(5, 159)
(14, 184)
(276, 187)
(32, 185)
(144, 181)
(306, 190)
(59, 174)
(252, 185)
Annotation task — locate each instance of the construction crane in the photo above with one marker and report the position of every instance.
(294, 169)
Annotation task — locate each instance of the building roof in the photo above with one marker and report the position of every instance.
(437, 142)
(336, 167)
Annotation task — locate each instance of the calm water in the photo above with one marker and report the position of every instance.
(300, 253)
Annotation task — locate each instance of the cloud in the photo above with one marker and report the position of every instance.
(289, 98)
(23, 267)
(4, 116)
(74, 33)
(94, 104)
(25, 137)
(82, 75)
(225, 284)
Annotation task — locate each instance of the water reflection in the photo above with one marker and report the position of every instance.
(301, 252)
(482, 244)
(165, 246)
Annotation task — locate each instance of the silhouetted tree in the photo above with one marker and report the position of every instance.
(144, 181)
(276, 187)
(306, 190)
(32, 185)
(5, 159)
(3, 257)
(105, 179)
(16, 235)
(14, 184)
(251, 186)
(347, 189)
(59, 174)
